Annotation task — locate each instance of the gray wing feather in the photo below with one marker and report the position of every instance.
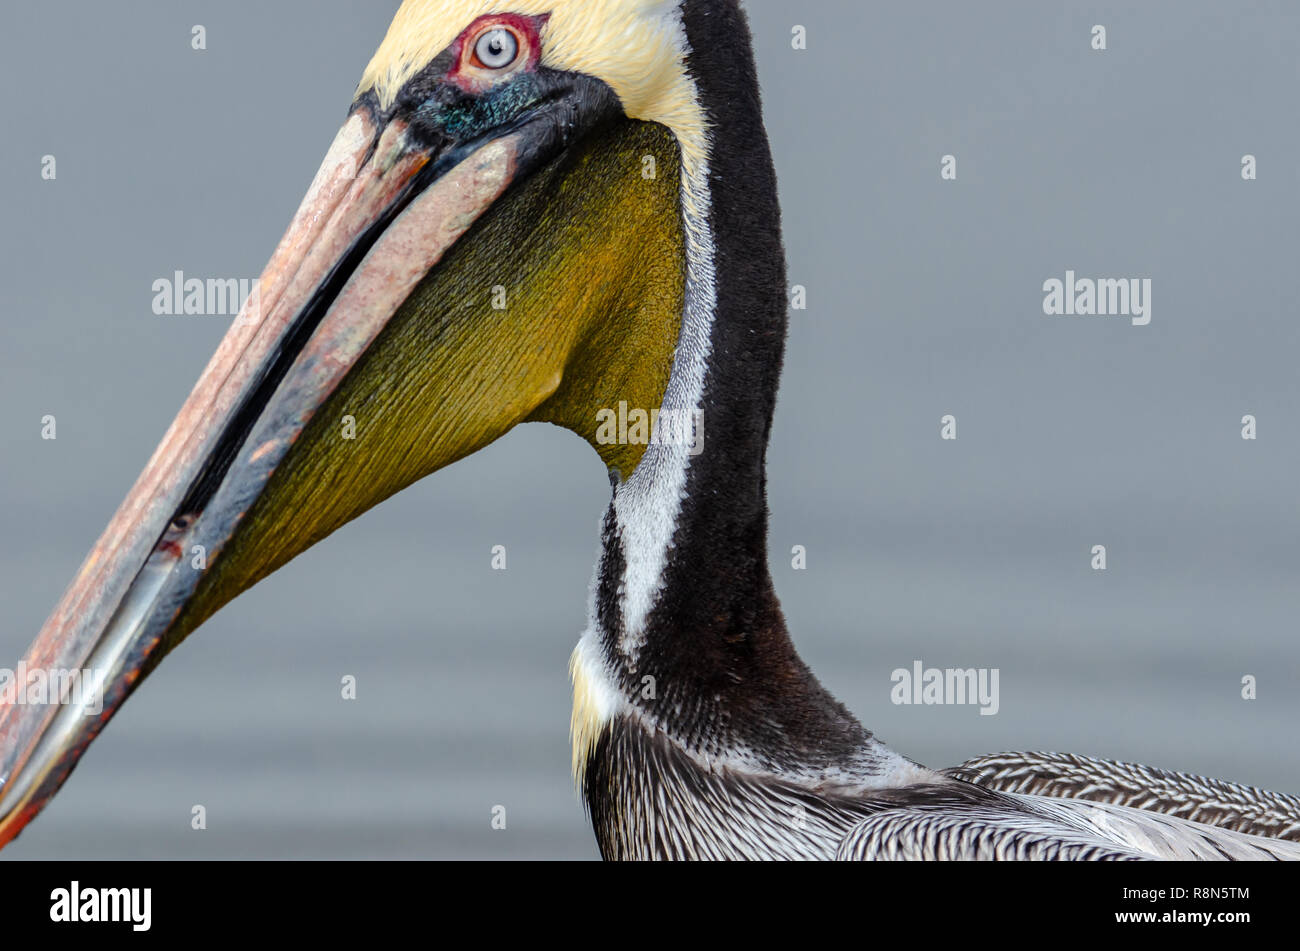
(1023, 827)
(971, 835)
(1212, 802)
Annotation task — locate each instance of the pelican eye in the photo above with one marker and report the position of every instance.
(497, 48)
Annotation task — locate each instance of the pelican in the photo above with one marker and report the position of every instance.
(541, 211)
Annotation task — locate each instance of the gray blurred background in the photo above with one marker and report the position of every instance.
(924, 299)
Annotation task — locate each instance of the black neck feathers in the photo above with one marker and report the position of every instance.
(725, 674)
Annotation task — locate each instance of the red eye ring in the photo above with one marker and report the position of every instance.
(496, 46)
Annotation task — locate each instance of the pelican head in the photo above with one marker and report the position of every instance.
(512, 225)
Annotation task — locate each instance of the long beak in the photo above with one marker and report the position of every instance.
(382, 212)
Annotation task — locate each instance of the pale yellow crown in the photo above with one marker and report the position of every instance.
(637, 47)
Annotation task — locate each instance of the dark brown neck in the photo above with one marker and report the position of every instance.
(723, 671)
